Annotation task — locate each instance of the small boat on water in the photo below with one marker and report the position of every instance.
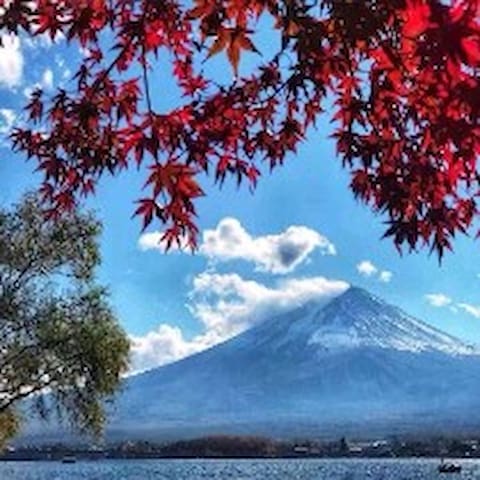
(69, 459)
(448, 467)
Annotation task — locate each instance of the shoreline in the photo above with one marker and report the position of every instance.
(239, 458)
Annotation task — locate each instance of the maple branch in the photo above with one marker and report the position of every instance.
(146, 82)
(99, 80)
(362, 54)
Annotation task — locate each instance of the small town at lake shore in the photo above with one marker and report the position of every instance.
(252, 447)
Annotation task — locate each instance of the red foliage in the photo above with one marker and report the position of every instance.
(403, 75)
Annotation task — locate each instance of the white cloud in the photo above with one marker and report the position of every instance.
(153, 241)
(385, 276)
(471, 309)
(438, 299)
(226, 305)
(441, 300)
(47, 79)
(7, 119)
(278, 254)
(367, 268)
(11, 61)
(165, 345)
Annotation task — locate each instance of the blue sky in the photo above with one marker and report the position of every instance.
(301, 235)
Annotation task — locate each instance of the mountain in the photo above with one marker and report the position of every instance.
(356, 366)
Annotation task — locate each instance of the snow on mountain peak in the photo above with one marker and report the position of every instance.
(358, 318)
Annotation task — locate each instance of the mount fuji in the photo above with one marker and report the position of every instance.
(356, 366)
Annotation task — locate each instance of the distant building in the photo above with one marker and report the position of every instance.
(355, 449)
(301, 450)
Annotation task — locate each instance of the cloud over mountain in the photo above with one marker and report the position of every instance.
(226, 305)
(165, 345)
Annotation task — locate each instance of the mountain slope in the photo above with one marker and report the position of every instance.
(356, 363)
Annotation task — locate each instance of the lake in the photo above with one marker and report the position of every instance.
(307, 469)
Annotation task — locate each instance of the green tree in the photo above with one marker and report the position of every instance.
(58, 334)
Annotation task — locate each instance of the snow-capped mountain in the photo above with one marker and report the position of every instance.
(358, 319)
(354, 366)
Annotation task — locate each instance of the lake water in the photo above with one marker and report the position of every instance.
(349, 469)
